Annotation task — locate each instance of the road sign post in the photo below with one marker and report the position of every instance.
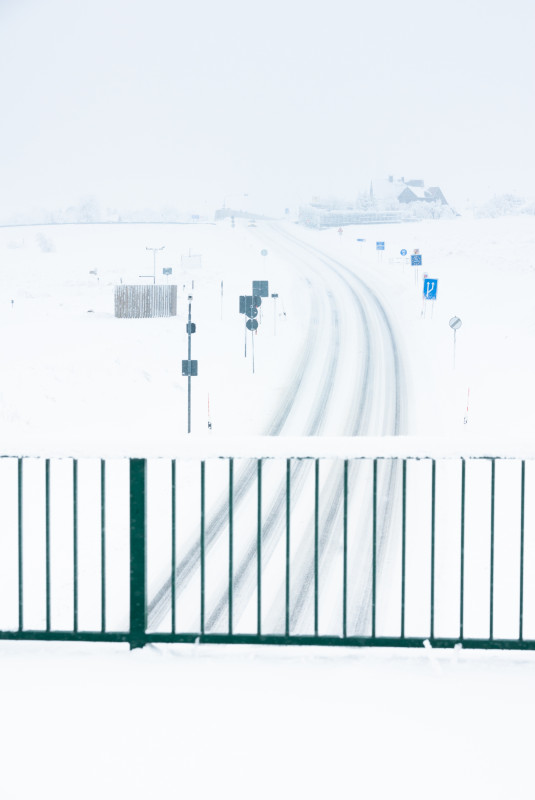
(455, 323)
(416, 261)
(274, 296)
(429, 292)
(189, 367)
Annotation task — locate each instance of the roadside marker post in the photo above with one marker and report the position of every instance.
(274, 296)
(467, 404)
(455, 323)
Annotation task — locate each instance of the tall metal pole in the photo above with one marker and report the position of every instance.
(252, 345)
(189, 363)
(154, 251)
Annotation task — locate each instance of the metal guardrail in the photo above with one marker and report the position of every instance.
(401, 557)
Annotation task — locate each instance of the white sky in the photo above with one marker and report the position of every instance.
(146, 104)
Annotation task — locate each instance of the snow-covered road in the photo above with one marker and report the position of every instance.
(347, 379)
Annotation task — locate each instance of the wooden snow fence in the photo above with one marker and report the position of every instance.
(145, 301)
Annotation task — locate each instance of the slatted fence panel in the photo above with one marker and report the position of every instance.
(145, 301)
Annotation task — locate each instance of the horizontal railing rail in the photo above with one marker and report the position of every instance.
(352, 550)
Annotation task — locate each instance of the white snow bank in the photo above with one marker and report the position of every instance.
(90, 721)
(205, 447)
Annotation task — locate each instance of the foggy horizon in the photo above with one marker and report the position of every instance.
(139, 105)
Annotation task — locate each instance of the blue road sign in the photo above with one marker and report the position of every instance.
(403, 252)
(379, 245)
(361, 240)
(430, 288)
(416, 261)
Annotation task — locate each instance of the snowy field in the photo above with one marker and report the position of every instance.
(92, 721)
(78, 382)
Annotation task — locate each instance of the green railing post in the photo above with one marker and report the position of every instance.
(75, 544)
(102, 545)
(259, 549)
(47, 543)
(522, 520)
(433, 521)
(374, 550)
(492, 515)
(288, 520)
(138, 545)
(403, 545)
(344, 587)
(316, 545)
(463, 502)
(173, 545)
(201, 545)
(230, 543)
(20, 546)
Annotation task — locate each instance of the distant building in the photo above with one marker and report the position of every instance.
(415, 190)
(404, 191)
(386, 202)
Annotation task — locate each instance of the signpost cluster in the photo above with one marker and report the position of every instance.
(249, 305)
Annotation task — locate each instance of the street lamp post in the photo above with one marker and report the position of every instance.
(154, 251)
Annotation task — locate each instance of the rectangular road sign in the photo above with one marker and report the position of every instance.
(430, 288)
(416, 261)
(189, 368)
(246, 301)
(260, 288)
(379, 245)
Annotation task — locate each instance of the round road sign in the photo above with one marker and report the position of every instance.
(252, 324)
(403, 252)
(263, 252)
(251, 312)
(455, 323)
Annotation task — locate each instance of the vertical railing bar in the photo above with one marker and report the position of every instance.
(403, 544)
(463, 503)
(374, 548)
(20, 544)
(173, 545)
(259, 551)
(138, 552)
(522, 519)
(230, 541)
(47, 540)
(433, 516)
(203, 465)
(344, 595)
(316, 543)
(287, 593)
(75, 542)
(102, 545)
(492, 510)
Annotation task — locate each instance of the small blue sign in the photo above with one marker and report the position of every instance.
(403, 252)
(430, 288)
(416, 261)
(379, 245)
(361, 240)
